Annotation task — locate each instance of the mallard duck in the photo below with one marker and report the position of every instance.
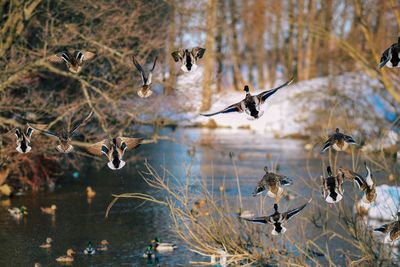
(332, 187)
(188, 59)
(392, 230)
(64, 136)
(251, 103)
(366, 184)
(23, 139)
(338, 141)
(49, 210)
(145, 91)
(68, 257)
(162, 247)
(89, 250)
(74, 60)
(272, 183)
(198, 208)
(47, 244)
(18, 213)
(103, 245)
(391, 56)
(114, 150)
(90, 192)
(278, 219)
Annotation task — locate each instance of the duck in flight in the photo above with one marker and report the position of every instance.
(332, 186)
(251, 103)
(278, 219)
(65, 136)
(391, 56)
(73, 60)
(392, 230)
(145, 91)
(338, 141)
(114, 150)
(188, 58)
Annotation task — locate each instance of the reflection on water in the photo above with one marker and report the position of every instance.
(129, 228)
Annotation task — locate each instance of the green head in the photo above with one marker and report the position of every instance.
(23, 210)
(157, 239)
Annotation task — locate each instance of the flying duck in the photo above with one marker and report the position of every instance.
(68, 257)
(114, 150)
(74, 61)
(366, 184)
(64, 136)
(23, 139)
(391, 56)
(278, 219)
(145, 91)
(392, 230)
(89, 250)
(332, 187)
(188, 58)
(338, 141)
(162, 247)
(273, 183)
(251, 103)
(47, 244)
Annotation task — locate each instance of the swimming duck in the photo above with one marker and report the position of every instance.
(74, 60)
(18, 213)
(338, 141)
(103, 245)
(90, 192)
(188, 59)
(251, 103)
(49, 210)
(366, 184)
(64, 136)
(273, 183)
(68, 257)
(332, 187)
(145, 91)
(278, 219)
(46, 245)
(392, 230)
(391, 56)
(114, 150)
(162, 247)
(89, 250)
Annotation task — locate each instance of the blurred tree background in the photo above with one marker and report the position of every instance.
(248, 42)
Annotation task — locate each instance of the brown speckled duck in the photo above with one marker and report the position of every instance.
(338, 141)
(272, 183)
(392, 230)
(73, 60)
(332, 187)
(145, 90)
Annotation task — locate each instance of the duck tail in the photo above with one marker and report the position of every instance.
(144, 93)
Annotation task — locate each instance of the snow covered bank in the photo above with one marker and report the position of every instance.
(387, 203)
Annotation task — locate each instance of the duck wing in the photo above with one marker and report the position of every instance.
(128, 142)
(259, 220)
(349, 139)
(177, 55)
(97, 148)
(264, 95)
(140, 69)
(86, 55)
(328, 143)
(151, 72)
(60, 57)
(48, 133)
(232, 108)
(198, 52)
(291, 213)
(385, 228)
(386, 56)
(79, 124)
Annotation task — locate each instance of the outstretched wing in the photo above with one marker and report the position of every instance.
(79, 124)
(291, 213)
(349, 139)
(88, 55)
(140, 69)
(129, 143)
(259, 220)
(385, 57)
(368, 178)
(96, 148)
(177, 55)
(198, 52)
(151, 72)
(384, 228)
(264, 95)
(48, 133)
(60, 57)
(327, 145)
(232, 108)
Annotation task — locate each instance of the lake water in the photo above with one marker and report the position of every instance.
(129, 228)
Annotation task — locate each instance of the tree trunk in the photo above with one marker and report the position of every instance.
(300, 29)
(171, 80)
(210, 58)
(308, 63)
(248, 41)
(220, 56)
(289, 41)
(237, 76)
(259, 28)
